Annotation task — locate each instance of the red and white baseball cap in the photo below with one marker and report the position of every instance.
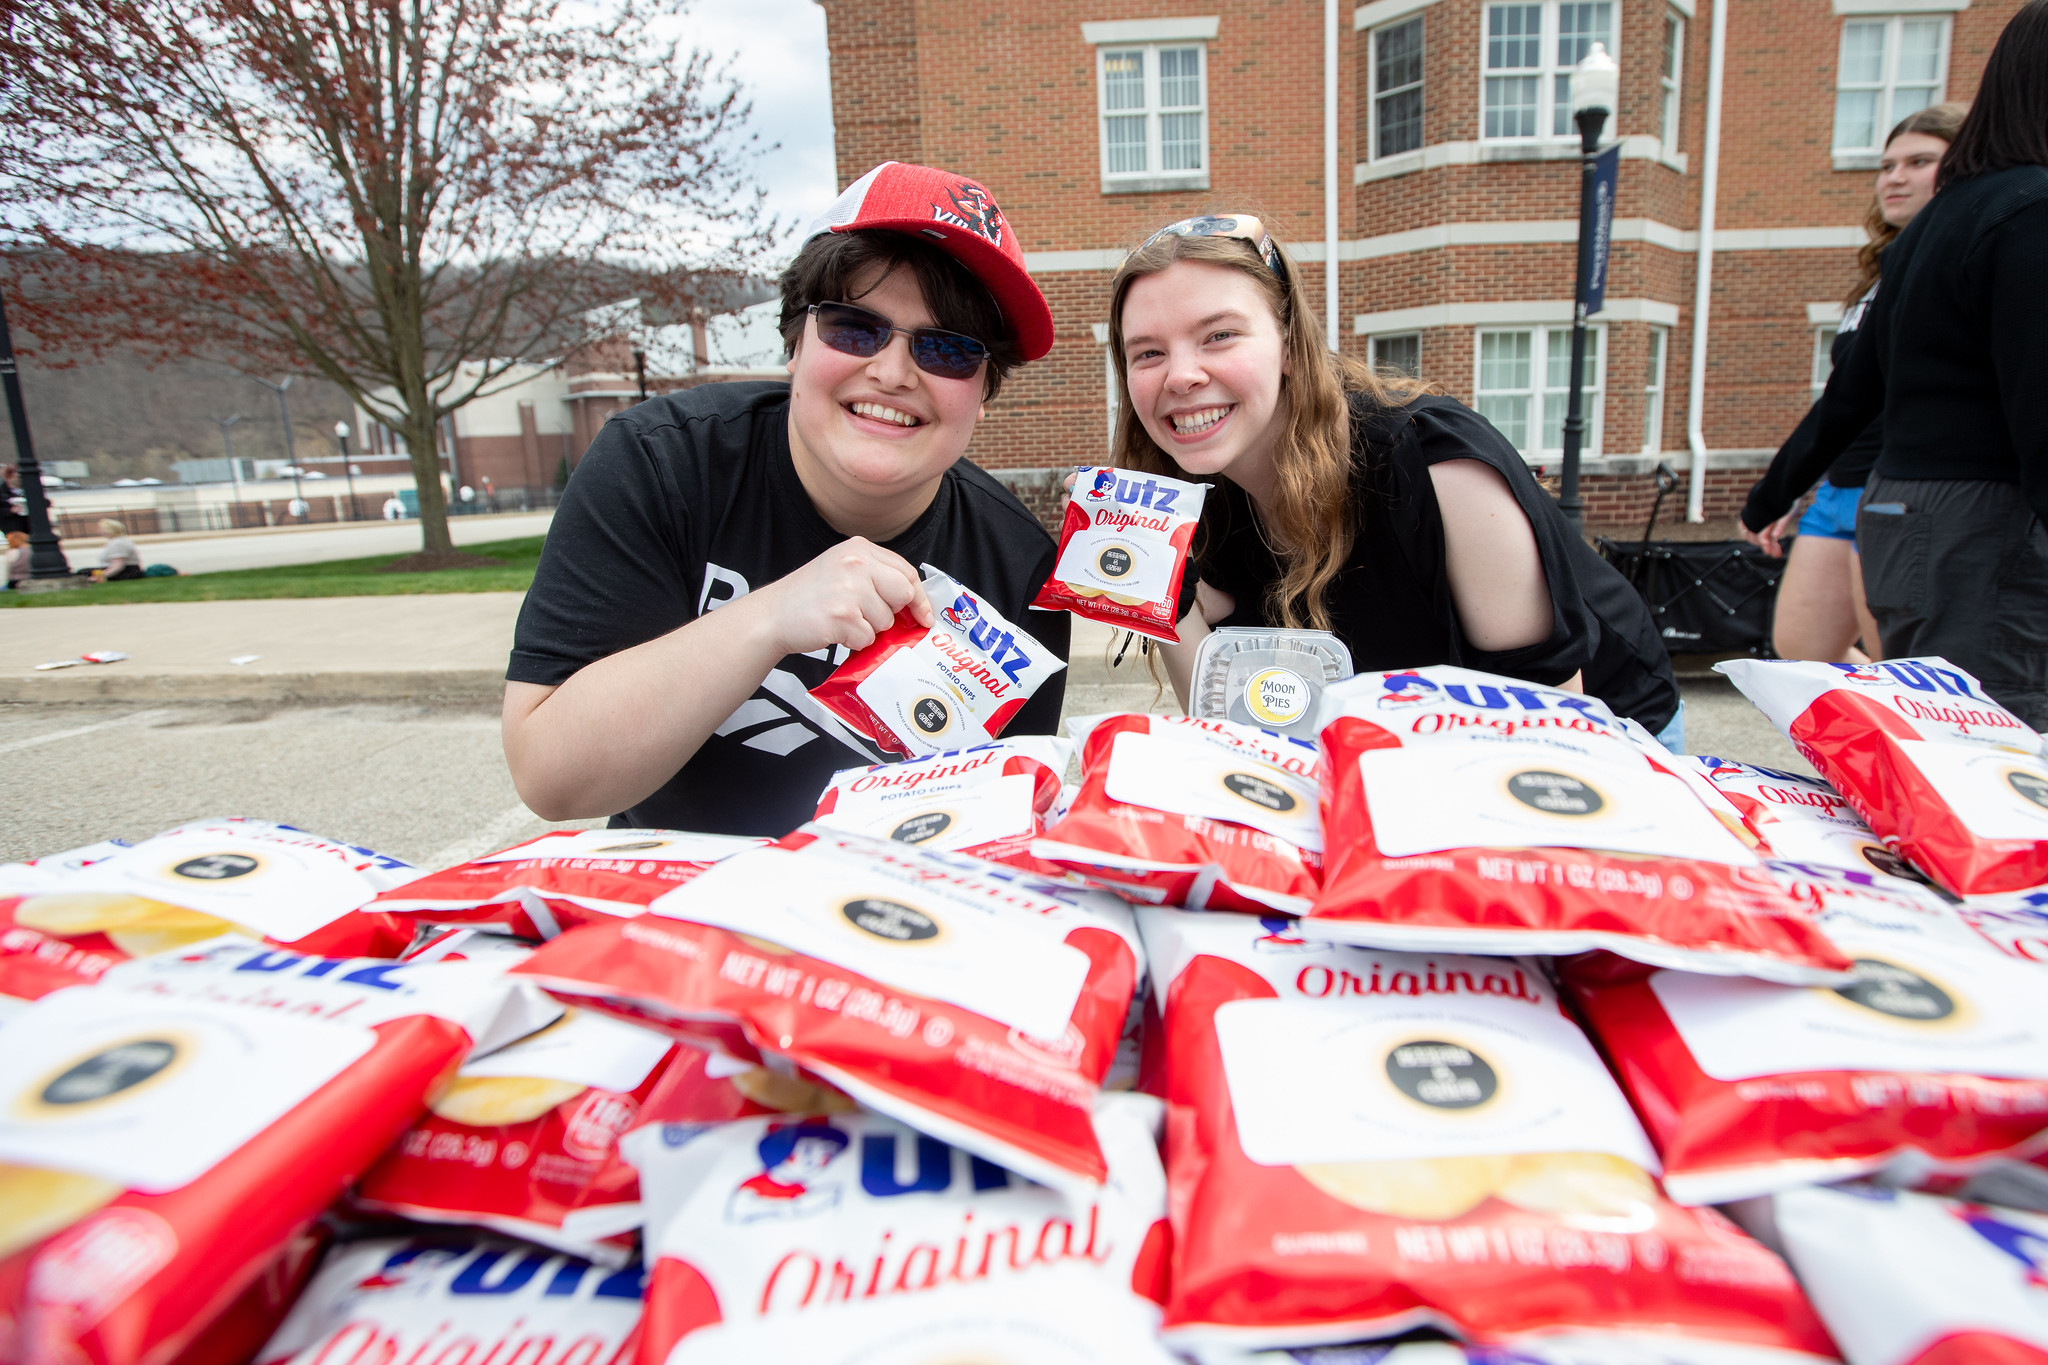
(960, 217)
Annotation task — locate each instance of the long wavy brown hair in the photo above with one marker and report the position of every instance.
(1936, 120)
(1311, 520)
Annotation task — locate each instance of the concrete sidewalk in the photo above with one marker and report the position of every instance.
(267, 547)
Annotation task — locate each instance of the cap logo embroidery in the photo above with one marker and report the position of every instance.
(970, 207)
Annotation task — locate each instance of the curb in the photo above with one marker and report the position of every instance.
(424, 685)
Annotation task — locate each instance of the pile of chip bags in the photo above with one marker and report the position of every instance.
(1478, 1030)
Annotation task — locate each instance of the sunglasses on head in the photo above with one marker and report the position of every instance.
(853, 330)
(1239, 225)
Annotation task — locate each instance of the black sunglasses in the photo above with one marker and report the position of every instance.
(853, 330)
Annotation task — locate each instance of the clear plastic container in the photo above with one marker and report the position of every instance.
(1273, 679)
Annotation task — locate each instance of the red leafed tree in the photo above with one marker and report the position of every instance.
(416, 199)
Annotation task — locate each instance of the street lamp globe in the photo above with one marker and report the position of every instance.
(1596, 84)
(341, 430)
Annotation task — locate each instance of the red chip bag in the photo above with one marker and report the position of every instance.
(166, 1133)
(917, 692)
(979, 1004)
(843, 1239)
(1470, 813)
(1909, 1279)
(1934, 1060)
(525, 1141)
(986, 802)
(1201, 813)
(1801, 819)
(561, 879)
(1360, 1143)
(1948, 778)
(1124, 550)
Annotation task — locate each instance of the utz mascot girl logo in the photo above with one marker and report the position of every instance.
(963, 613)
(1860, 673)
(2024, 1245)
(793, 1157)
(1403, 690)
(1104, 485)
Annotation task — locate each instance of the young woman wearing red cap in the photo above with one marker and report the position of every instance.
(720, 550)
(1351, 501)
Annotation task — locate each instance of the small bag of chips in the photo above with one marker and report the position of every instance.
(987, 802)
(1124, 550)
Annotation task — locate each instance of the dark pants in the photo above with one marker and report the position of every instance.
(125, 571)
(1962, 573)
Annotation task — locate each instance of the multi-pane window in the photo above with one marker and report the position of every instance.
(1889, 68)
(1823, 357)
(1524, 386)
(1653, 390)
(1529, 53)
(1401, 353)
(1667, 79)
(1397, 88)
(1154, 111)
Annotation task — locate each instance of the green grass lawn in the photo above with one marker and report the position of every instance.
(337, 578)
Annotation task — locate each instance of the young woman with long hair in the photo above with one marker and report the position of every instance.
(1954, 523)
(1352, 501)
(1820, 612)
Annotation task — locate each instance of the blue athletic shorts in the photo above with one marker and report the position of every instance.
(1833, 513)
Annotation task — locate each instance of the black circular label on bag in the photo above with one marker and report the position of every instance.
(1257, 790)
(1555, 793)
(2029, 785)
(1892, 989)
(639, 847)
(888, 919)
(922, 826)
(119, 1068)
(217, 867)
(1891, 864)
(930, 715)
(1114, 562)
(1442, 1075)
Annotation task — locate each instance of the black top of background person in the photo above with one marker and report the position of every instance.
(1794, 470)
(689, 500)
(1391, 603)
(1954, 354)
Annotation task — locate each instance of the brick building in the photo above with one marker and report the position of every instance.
(1096, 121)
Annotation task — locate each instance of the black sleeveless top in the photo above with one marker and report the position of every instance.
(1391, 603)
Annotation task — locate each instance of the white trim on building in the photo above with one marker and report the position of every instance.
(1151, 30)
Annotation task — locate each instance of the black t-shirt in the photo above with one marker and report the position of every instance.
(689, 501)
(1391, 603)
(1794, 469)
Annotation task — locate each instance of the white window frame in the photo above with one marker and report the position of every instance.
(1373, 346)
(1888, 84)
(1547, 74)
(1670, 111)
(1539, 360)
(1653, 391)
(1823, 356)
(1152, 177)
(1373, 92)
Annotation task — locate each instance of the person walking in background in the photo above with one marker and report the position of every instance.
(119, 558)
(1954, 523)
(17, 557)
(1820, 610)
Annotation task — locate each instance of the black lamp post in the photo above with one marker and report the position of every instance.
(640, 368)
(1596, 83)
(341, 435)
(290, 454)
(45, 558)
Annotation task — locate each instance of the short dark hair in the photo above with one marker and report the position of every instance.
(833, 264)
(2008, 120)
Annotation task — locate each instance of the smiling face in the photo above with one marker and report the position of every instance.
(1205, 357)
(872, 436)
(1905, 176)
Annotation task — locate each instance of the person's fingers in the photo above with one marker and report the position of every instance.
(902, 586)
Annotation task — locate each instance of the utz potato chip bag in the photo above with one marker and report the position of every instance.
(1802, 819)
(165, 1133)
(916, 691)
(844, 1238)
(525, 1141)
(1468, 812)
(1911, 1279)
(460, 1297)
(1947, 778)
(1362, 1143)
(561, 879)
(980, 1004)
(1200, 813)
(987, 802)
(1547, 1348)
(1124, 550)
(1932, 1061)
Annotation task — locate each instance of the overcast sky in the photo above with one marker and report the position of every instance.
(779, 54)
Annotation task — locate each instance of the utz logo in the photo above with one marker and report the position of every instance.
(1282, 936)
(1860, 673)
(968, 206)
(592, 1131)
(1103, 487)
(963, 613)
(2024, 1245)
(1403, 691)
(794, 1157)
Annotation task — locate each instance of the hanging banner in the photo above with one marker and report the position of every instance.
(1597, 226)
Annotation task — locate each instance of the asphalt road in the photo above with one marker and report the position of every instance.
(427, 784)
(314, 545)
